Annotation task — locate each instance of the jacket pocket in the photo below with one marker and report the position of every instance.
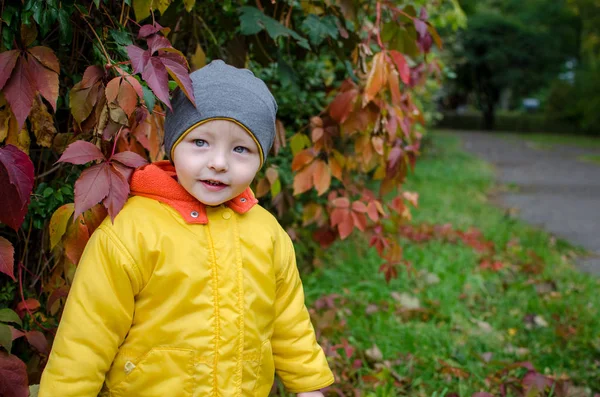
(158, 373)
(266, 371)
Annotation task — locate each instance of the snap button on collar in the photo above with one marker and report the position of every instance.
(226, 214)
(194, 214)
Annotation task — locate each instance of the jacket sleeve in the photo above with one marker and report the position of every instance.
(96, 318)
(299, 360)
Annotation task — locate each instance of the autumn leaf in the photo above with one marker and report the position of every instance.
(7, 258)
(42, 123)
(13, 376)
(59, 222)
(341, 107)
(129, 159)
(92, 187)
(199, 58)
(75, 240)
(155, 69)
(302, 159)
(16, 183)
(81, 152)
(34, 70)
(303, 180)
(401, 65)
(378, 76)
(118, 193)
(322, 177)
(38, 340)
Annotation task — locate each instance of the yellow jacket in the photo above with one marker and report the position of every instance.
(172, 302)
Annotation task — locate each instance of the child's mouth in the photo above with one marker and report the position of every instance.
(213, 185)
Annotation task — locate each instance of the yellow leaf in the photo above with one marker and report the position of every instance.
(58, 223)
(298, 142)
(141, 8)
(161, 5)
(42, 123)
(189, 4)
(199, 57)
(378, 76)
(4, 123)
(18, 138)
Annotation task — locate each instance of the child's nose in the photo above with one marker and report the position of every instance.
(218, 162)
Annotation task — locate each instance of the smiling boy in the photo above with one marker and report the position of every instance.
(193, 290)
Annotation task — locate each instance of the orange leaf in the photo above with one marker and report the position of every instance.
(302, 159)
(303, 181)
(394, 83)
(372, 211)
(342, 105)
(359, 206)
(127, 98)
(345, 228)
(360, 221)
(378, 144)
(112, 89)
(341, 202)
(336, 168)
(272, 175)
(76, 238)
(317, 133)
(322, 177)
(377, 78)
(262, 187)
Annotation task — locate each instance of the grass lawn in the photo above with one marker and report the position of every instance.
(590, 158)
(449, 324)
(548, 141)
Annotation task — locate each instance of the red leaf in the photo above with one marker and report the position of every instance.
(127, 98)
(37, 340)
(57, 294)
(119, 190)
(94, 217)
(7, 258)
(360, 220)
(29, 305)
(135, 84)
(91, 76)
(92, 187)
(19, 91)
(148, 30)
(16, 334)
(420, 26)
(8, 59)
(16, 183)
(13, 376)
(342, 105)
(139, 58)
(179, 73)
(19, 169)
(155, 74)
(401, 65)
(46, 81)
(46, 57)
(130, 159)
(359, 206)
(81, 152)
(372, 211)
(112, 89)
(157, 42)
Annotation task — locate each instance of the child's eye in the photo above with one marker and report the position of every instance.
(200, 142)
(240, 149)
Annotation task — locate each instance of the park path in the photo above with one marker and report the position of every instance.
(554, 189)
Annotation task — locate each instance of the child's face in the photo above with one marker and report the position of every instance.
(216, 161)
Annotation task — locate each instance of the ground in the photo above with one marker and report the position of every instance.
(551, 183)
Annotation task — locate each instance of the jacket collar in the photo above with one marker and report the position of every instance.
(158, 181)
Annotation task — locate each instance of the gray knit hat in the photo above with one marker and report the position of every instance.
(223, 92)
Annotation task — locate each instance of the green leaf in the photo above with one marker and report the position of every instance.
(97, 3)
(172, 85)
(64, 26)
(149, 98)
(48, 192)
(287, 75)
(9, 316)
(252, 21)
(5, 337)
(275, 188)
(8, 14)
(319, 29)
(298, 142)
(121, 38)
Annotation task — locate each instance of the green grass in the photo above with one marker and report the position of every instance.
(469, 311)
(590, 158)
(548, 141)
